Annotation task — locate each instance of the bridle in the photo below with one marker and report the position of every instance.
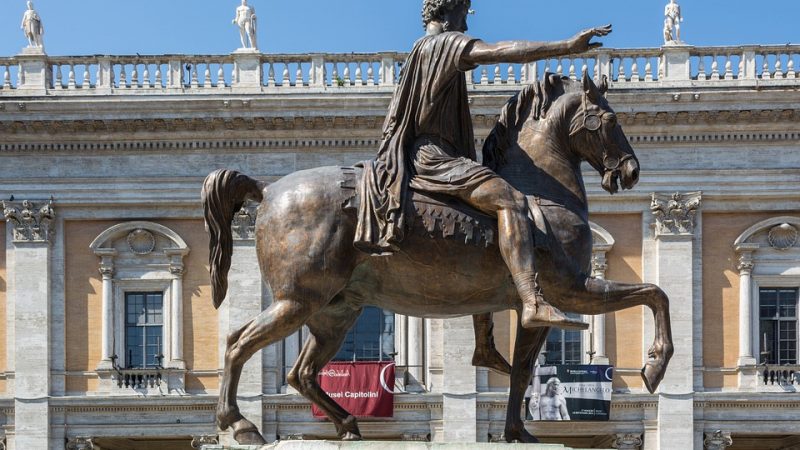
(593, 122)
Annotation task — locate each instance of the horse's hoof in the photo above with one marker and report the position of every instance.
(493, 361)
(520, 436)
(245, 433)
(349, 436)
(652, 374)
(227, 416)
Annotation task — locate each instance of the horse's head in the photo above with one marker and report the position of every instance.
(597, 137)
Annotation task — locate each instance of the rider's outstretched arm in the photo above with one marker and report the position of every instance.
(528, 51)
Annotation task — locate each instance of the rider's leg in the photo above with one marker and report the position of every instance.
(496, 197)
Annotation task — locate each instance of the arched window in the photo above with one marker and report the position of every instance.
(142, 302)
(769, 292)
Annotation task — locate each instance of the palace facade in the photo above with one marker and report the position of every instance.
(101, 164)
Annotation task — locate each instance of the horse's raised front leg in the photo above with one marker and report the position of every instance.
(328, 328)
(486, 354)
(528, 344)
(281, 319)
(596, 296)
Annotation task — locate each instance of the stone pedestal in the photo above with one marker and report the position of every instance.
(676, 63)
(248, 71)
(34, 78)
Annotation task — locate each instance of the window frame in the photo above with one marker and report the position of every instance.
(126, 325)
(122, 287)
(759, 282)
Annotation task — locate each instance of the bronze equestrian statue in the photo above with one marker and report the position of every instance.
(528, 193)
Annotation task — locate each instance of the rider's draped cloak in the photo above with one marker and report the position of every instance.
(428, 142)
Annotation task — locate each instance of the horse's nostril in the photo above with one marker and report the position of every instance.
(635, 175)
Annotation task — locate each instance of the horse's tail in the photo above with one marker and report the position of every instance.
(224, 193)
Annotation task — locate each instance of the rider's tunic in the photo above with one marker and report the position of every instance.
(428, 142)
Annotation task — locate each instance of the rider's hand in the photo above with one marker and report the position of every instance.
(581, 41)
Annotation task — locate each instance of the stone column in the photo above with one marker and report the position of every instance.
(107, 323)
(745, 266)
(627, 441)
(598, 330)
(717, 440)
(243, 303)
(30, 291)
(675, 234)
(176, 319)
(460, 398)
(416, 352)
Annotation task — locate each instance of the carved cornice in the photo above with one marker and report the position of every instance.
(244, 223)
(675, 214)
(375, 122)
(32, 222)
(627, 441)
(717, 440)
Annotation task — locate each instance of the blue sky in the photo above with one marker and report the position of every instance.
(297, 26)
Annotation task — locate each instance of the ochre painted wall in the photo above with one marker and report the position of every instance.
(624, 328)
(721, 294)
(83, 309)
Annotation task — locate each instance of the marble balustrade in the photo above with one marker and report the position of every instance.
(206, 74)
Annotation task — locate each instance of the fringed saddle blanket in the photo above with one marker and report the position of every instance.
(436, 215)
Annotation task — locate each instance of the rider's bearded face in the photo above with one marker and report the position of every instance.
(456, 18)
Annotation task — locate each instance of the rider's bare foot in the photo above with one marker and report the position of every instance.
(544, 314)
(491, 359)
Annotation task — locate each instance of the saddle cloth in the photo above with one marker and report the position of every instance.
(446, 217)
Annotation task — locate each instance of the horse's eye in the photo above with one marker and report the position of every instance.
(611, 119)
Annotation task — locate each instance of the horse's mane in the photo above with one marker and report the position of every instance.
(535, 100)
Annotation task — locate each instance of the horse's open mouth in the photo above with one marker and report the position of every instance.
(611, 181)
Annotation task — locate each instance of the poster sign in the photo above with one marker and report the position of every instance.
(366, 389)
(571, 393)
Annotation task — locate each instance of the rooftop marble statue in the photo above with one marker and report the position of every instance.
(32, 27)
(246, 21)
(672, 23)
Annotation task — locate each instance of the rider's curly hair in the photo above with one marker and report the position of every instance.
(435, 9)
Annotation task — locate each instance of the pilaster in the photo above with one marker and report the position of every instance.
(460, 398)
(33, 233)
(243, 303)
(676, 233)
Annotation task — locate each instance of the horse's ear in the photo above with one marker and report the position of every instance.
(590, 88)
(551, 80)
(603, 86)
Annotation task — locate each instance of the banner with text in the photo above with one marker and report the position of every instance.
(365, 389)
(571, 393)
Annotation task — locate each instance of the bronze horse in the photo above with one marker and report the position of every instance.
(304, 239)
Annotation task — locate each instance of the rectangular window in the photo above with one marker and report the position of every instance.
(778, 325)
(144, 328)
(371, 338)
(563, 347)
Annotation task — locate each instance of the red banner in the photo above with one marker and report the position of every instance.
(366, 389)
